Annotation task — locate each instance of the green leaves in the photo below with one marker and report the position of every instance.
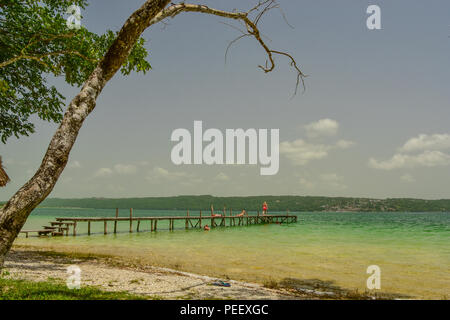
(36, 43)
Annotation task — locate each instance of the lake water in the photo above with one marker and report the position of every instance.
(412, 249)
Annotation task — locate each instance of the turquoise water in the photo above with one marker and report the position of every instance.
(411, 249)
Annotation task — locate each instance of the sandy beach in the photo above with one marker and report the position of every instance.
(118, 274)
(113, 274)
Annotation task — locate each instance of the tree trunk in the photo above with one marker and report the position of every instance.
(16, 211)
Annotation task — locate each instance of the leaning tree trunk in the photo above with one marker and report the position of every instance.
(16, 211)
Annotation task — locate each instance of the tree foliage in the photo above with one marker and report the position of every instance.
(35, 44)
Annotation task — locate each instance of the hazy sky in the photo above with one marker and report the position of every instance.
(373, 121)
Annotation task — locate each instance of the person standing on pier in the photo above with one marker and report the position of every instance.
(264, 208)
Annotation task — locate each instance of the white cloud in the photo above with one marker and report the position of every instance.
(323, 127)
(407, 178)
(122, 169)
(125, 168)
(427, 142)
(344, 144)
(222, 177)
(74, 164)
(159, 172)
(424, 159)
(103, 172)
(300, 152)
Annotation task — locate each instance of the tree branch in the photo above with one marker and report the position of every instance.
(251, 25)
(38, 57)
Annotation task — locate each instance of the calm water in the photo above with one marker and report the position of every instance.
(412, 249)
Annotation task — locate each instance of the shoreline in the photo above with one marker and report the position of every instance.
(152, 282)
(113, 274)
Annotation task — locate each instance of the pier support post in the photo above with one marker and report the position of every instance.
(74, 228)
(131, 220)
(89, 228)
(139, 223)
(105, 224)
(115, 221)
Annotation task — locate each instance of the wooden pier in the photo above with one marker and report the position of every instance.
(190, 222)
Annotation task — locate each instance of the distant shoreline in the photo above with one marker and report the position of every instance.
(254, 203)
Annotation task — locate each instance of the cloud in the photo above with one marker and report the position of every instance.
(158, 173)
(103, 172)
(125, 168)
(424, 159)
(344, 144)
(74, 165)
(300, 152)
(427, 142)
(323, 127)
(122, 169)
(428, 154)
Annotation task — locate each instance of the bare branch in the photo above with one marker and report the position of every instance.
(251, 25)
(300, 76)
(233, 42)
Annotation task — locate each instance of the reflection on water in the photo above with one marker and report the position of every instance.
(411, 248)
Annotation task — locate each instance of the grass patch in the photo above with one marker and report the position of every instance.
(11, 289)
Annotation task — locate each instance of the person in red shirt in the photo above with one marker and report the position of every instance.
(264, 208)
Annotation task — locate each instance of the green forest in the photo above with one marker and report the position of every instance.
(253, 203)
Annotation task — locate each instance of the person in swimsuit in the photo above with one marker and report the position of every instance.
(264, 208)
(241, 214)
(214, 214)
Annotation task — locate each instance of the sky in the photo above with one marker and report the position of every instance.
(372, 122)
